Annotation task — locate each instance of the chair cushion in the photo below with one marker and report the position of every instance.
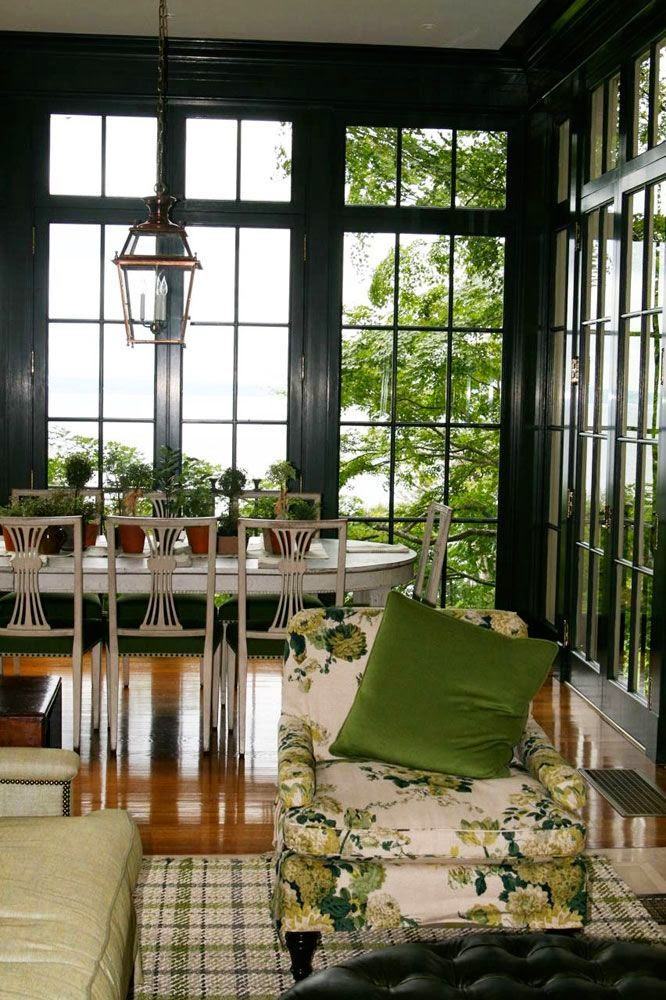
(256, 647)
(442, 694)
(373, 810)
(496, 967)
(191, 611)
(260, 610)
(59, 611)
(68, 927)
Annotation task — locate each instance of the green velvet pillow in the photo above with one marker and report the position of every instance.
(439, 694)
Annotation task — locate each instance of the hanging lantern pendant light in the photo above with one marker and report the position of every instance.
(156, 251)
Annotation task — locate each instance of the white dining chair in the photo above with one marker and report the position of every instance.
(438, 522)
(168, 621)
(291, 565)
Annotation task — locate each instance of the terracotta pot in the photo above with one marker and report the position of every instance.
(132, 538)
(227, 545)
(272, 542)
(52, 541)
(90, 533)
(198, 539)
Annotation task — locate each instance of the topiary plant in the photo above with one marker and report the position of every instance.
(277, 477)
(78, 471)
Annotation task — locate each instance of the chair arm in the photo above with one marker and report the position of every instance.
(540, 758)
(36, 782)
(296, 762)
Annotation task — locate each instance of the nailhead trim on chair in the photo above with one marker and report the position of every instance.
(66, 789)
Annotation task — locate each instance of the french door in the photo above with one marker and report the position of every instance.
(615, 498)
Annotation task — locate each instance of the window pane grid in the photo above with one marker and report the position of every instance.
(395, 365)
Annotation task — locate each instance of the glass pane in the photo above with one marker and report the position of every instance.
(376, 531)
(476, 371)
(649, 522)
(642, 104)
(420, 461)
(263, 279)
(421, 377)
(478, 297)
(265, 161)
(480, 169)
(74, 266)
(628, 491)
(66, 437)
(131, 149)
(592, 336)
(129, 377)
(552, 544)
(654, 373)
(371, 165)
(425, 175)
(470, 566)
(213, 294)
(624, 659)
(366, 374)
(134, 436)
(607, 263)
(364, 471)
(75, 156)
(563, 162)
(656, 296)
(613, 124)
(591, 306)
(554, 483)
(596, 132)
(636, 207)
(114, 240)
(661, 93)
(368, 278)
(583, 599)
(644, 637)
(208, 373)
(474, 472)
(208, 442)
(211, 151)
(585, 480)
(602, 500)
(73, 370)
(257, 447)
(559, 282)
(632, 377)
(423, 295)
(556, 379)
(263, 361)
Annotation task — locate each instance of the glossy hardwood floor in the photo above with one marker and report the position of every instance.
(188, 803)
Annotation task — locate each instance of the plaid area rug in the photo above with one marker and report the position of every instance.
(206, 929)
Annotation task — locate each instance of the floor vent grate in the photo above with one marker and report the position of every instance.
(627, 791)
(655, 904)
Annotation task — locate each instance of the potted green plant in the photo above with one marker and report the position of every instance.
(79, 470)
(286, 507)
(231, 484)
(54, 537)
(168, 479)
(129, 479)
(198, 501)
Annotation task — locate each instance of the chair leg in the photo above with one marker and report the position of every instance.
(302, 946)
(207, 687)
(231, 687)
(126, 671)
(201, 672)
(112, 696)
(96, 656)
(16, 664)
(215, 696)
(76, 698)
(2, 665)
(242, 702)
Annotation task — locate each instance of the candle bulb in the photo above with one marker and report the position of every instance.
(143, 307)
(161, 290)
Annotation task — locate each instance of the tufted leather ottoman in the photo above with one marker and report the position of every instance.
(497, 967)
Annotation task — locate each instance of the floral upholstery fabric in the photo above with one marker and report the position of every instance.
(372, 810)
(361, 843)
(335, 894)
(505, 622)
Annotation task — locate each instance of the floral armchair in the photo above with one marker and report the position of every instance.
(362, 844)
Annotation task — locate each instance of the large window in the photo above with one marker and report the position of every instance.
(224, 398)
(421, 347)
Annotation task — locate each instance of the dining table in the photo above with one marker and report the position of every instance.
(372, 569)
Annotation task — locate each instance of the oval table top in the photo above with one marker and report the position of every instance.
(370, 567)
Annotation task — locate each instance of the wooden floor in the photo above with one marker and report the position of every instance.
(188, 803)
